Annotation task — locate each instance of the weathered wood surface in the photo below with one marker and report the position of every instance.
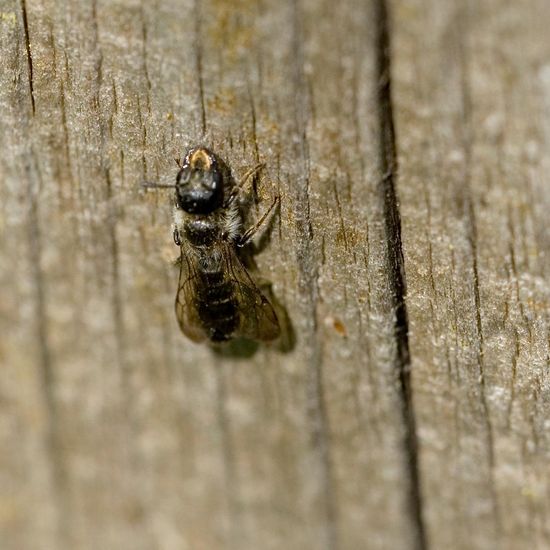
(472, 114)
(116, 432)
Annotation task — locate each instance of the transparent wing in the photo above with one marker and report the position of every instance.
(257, 318)
(186, 308)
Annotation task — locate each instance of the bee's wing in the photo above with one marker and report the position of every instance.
(257, 318)
(186, 308)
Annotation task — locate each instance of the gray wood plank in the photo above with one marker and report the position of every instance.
(118, 432)
(471, 92)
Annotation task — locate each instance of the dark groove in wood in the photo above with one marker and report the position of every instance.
(254, 127)
(470, 214)
(117, 301)
(234, 527)
(145, 59)
(198, 62)
(309, 288)
(388, 169)
(53, 443)
(28, 50)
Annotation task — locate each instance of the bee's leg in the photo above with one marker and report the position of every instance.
(251, 231)
(177, 238)
(240, 185)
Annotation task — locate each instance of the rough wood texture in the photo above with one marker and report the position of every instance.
(118, 433)
(472, 88)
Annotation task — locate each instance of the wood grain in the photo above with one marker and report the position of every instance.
(384, 423)
(471, 104)
(141, 439)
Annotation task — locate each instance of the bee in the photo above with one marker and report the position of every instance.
(217, 298)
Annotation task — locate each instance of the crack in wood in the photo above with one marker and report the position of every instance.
(28, 50)
(309, 287)
(388, 169)
(198, 63)
(117, 300)
(472, 237)
(145, 59)
(52, 436)
(234, 525)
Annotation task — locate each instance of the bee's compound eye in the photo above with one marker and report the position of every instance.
(214, 181)
(199, 200)
(183, 177)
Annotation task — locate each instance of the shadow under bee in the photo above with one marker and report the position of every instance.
(243, 348)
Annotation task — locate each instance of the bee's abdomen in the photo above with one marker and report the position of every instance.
(217, 306)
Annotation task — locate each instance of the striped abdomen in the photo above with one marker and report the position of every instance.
(216, 305)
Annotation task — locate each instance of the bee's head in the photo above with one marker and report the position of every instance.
(199, 184)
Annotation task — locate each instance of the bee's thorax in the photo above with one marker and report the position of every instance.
(201, 231)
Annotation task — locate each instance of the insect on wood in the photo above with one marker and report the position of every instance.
(217, 297)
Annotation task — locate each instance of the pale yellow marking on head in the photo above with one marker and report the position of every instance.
(200, 159)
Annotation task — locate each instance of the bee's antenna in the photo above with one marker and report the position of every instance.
(153, 185)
